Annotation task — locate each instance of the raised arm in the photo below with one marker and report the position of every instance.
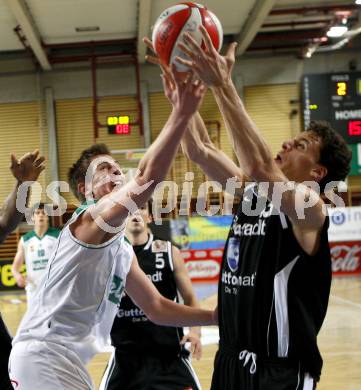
(111, 210)
(161, 310)
(198, 147)
(252, 151)
(196, 143)
(28, 168)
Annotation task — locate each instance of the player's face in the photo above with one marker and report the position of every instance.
(40, 218)
(106, 175)
(299, 157)
(138, 222)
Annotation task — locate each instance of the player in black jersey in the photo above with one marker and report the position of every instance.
(276, 272)
(146, 355)
(28, 168)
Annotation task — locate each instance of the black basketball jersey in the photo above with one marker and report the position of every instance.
(273, 296)
(132, 332)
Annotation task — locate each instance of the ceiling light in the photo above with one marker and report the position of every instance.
(87, 29)
(309, 51)
(337, 31)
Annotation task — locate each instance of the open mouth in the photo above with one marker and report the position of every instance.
(278, 158)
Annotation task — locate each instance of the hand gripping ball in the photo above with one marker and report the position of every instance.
(181, 18)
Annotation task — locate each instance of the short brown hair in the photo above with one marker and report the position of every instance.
(335, 155)
(78, 171)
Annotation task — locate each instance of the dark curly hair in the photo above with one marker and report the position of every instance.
(335, 155)
(77, 172)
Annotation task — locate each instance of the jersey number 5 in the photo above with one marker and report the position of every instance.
(159, 261)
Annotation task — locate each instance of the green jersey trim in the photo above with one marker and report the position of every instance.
(76, 214)
(84, 206)
(50, 232)
(53, 232)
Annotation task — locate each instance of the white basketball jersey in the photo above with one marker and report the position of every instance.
(37, 252)
(77, 301)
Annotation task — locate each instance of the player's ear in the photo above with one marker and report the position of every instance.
(81, 188)
(318, 173)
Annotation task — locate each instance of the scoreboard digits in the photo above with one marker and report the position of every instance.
(341, 88)
(118, 124)
(335, 98)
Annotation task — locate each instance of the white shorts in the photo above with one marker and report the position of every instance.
(42, 365)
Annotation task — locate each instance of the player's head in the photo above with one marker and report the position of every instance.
(317, 154)
(39, 216)
(138, 222)
(97, 165)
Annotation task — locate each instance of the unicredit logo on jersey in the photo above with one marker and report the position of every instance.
(248, 229)
(156, 277)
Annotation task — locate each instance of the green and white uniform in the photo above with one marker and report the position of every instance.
(37, 251)
(72, 313)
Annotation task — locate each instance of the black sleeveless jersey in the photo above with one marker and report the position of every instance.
(132, 332)
(272, 296)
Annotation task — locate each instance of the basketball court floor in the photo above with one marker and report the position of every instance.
(339, 340)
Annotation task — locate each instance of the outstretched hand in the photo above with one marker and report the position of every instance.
(183, 91)
(28, 168)
(212, 68)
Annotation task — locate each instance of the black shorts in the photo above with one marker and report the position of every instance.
(5, 349)
(144, 372)
(231, 373)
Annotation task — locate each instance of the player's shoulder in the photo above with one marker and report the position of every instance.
(29, 235)
(53, 232)
(127, 249)
(127, 243)
(83, 207)
(127, 246)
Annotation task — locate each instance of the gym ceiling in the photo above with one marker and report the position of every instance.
(53, 32)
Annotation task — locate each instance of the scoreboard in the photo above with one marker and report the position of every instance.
(118, 125)
(335, 98)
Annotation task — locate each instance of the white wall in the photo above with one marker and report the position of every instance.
(19, 81)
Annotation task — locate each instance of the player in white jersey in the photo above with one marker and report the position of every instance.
(76, 304)
(34, 249)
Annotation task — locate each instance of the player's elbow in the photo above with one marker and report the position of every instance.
(155, 310)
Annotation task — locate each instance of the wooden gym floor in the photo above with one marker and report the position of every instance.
(339, 340)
